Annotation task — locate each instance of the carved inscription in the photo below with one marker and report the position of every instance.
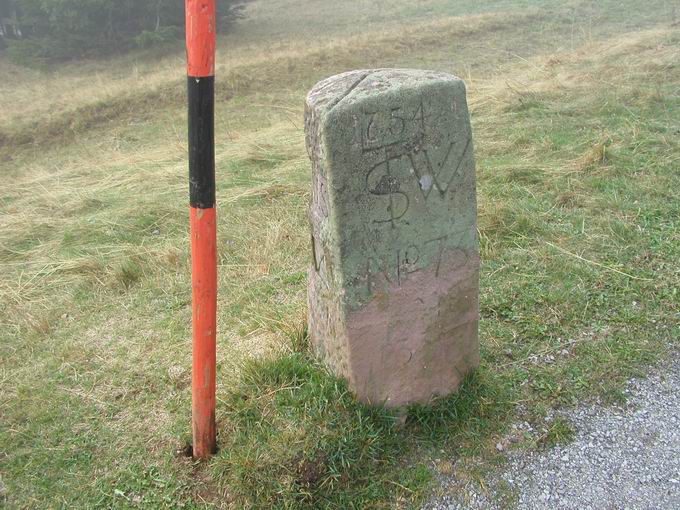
(401, 139)
(397, 266)
(429, 173)
(385, 128)
(381, 182)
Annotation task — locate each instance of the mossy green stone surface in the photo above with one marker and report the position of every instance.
(394, 281)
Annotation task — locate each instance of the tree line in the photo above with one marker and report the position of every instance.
(52, 30)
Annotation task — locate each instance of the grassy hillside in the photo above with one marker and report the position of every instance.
(576, 115)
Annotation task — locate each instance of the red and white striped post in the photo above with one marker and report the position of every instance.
(200, 37)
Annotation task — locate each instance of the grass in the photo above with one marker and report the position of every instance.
(577, 148)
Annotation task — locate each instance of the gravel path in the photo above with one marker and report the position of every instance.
(621, 458)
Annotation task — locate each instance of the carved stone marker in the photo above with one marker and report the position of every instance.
(394, 284)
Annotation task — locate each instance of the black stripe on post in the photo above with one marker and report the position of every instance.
(201, 92)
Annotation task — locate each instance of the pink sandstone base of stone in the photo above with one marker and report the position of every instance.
(417, 340)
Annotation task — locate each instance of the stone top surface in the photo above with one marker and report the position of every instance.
(354, 86)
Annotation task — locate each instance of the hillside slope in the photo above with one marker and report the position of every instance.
(576, 115)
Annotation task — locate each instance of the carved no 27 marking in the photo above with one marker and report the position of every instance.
(404, 262)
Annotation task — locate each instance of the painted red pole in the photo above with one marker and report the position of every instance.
(200, 38)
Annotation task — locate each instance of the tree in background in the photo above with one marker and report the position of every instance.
(51, 30)
(8, 22)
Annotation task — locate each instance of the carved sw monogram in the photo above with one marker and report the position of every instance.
(433, 169)
(400, 137)
(433, 174)
(382, 182)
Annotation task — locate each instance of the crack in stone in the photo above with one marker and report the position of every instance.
(349, 91)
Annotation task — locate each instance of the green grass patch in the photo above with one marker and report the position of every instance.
(296, 437)
(293, 436)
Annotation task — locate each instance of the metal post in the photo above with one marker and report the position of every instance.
(200, 38)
